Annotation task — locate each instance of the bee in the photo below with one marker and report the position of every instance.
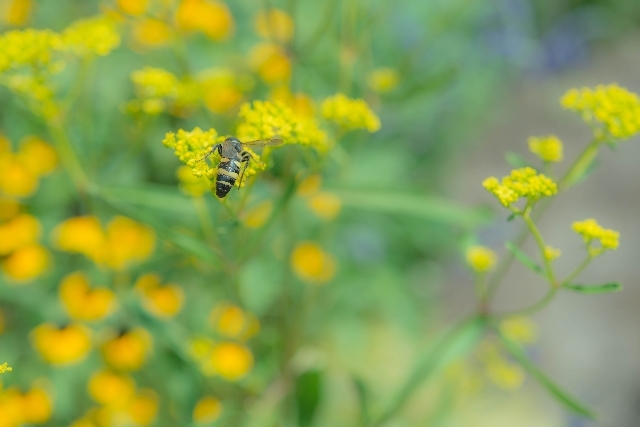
(234, 160)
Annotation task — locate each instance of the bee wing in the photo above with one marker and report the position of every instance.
(276, 140)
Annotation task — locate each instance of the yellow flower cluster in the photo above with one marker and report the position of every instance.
(36, 91)
(156, 89)
(62, 345)
(548, 149)
(350, 114)
(22, 257)
(590, 230)
(119, 400)
(82, 302)
(266, 119)
(523, 182)
(312, 264)
(127, 350)
(5, 368)
(552, 253)
(481, 258)
(25, 408)
(163, 301)
(92, 36)
(28, 47)
(122, 243)
(612, 106)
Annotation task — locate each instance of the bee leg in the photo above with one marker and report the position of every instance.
(217, 147)
(245, 156)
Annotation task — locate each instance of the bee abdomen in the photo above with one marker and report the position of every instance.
(228, 171)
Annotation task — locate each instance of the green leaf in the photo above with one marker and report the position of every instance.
(363, 398)
(511, 217)
(523, 258)
(416, 205)
(605, 288)
(556, 391)
(307, 394)
(451, 345)
(516, 160)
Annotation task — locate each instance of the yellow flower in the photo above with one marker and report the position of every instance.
(300, 103)
(265, 119)
(312, 264)
(382, 80)
(549, 148)
(231, 361)
(210, 17)
(8, 209)
(613, 108)
(481, 258)
(231, 321)
(524, 182)
(129, 241)
(82, 234)
(501, 371)
(26, 263)
(221, 90)
(190, 184)
(144, 408)
(520, 329)
(133, 7)
(28, 47)
(162, 301)
(128, 351)
(111, 389)
(310, 185)
(350, 114)
(326, 205)
(200, 348)
(20, 231)
(92, 36)
(149, 32)
(275, 25)
(37, 93)
(18, 12)
(5, 368)
(552, 253)
(271, 62)
(153, 82)
(60, 346)
(590, 230)
(82, 302)
(258, 215)
(16, 178)
(38, 156)
(207, 410)
(37, 406)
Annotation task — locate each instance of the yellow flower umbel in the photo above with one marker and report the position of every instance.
(481, 259)
(207, 410)
(5, 368)
(161, 301)
(60, 346)
(548, 149)
(524, 182)
(613, 110)
(312, 264)
(350, 114)
(92, 36)
(128, 351)
(210, 17)
(266, 119)
(590, 231)
(275, 25)
(382, 80)
(32, 48)
(82, 302)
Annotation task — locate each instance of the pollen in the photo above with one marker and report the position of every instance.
(350, 114)
(590, 230)
(481, 258)
(524, 182)
(548, 149)
(612, 108)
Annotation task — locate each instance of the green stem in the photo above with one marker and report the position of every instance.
(548, 297)
(541, 246)
(68, 157)
(205, 220)
(577, 271)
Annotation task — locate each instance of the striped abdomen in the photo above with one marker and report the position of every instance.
(228, 171)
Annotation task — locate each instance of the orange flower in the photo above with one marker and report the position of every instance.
(26, 263)
(8, 209)
(133, 7)
(144, 407)
(271, 62)
(312, 264)
(111, 389)
(21, 230)
(151, 33)
(82, 302)
(128, 351)
(275, 25)
(207, 410)
(37, 406)
(81, 234)
(38, 156)
(210, 17)
(128, 241)
(230, 360)
(16, 178)
(62, 345)
(18, 12)
(231, 321)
